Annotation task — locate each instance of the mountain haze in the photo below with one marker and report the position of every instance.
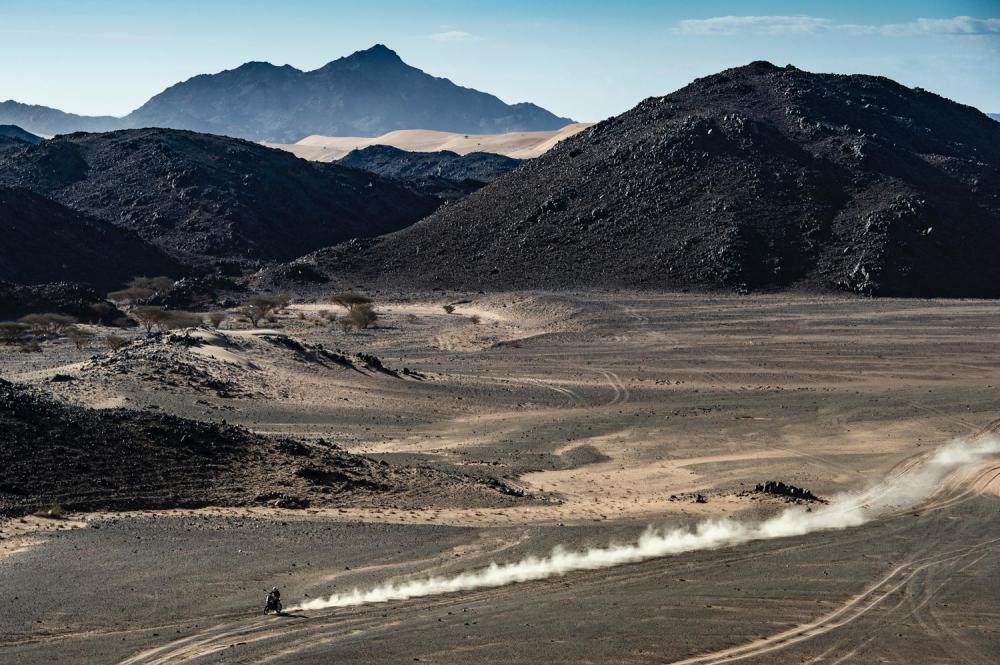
(367, 93)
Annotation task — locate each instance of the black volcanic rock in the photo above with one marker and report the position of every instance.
(756, 178)
(202, 198)
(44, 241)
(390, 161)
(367, 93)
(114, 459)
(70, 298)
(46, 120)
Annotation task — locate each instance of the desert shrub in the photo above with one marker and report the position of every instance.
(217, 318)
(101, 311)
(327, 315)
(30, 346)
(115, 342)
(78, 336)
(175, 319)
(362, 316)
(12, 332)
(148, 317)
(350, 300)
(54, 512)
(449, 309)
(142, 288)
(131, 295)
(474, 319)
(47, 324)
(159, 285)
(260, 307)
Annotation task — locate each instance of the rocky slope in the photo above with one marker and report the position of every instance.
(205, 198)
(44, 241)
(392, 162)
(758, 177)
(83, 459)
(18, 134)
(70, 298)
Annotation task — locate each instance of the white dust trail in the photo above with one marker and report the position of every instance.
(903, 490)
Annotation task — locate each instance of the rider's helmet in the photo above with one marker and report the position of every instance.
(273, 589)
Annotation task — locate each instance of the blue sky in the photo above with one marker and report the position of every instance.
(583, 59)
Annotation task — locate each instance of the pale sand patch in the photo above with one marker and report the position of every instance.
(21, 534)
(519, 145)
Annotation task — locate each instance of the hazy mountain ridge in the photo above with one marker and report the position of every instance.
(367, 93)
(46, 120)
(759, 177)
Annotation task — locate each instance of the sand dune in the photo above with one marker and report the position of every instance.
(521, 145)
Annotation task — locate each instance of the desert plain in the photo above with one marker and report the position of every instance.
(603, 413)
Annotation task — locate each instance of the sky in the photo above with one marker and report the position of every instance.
(584, 59)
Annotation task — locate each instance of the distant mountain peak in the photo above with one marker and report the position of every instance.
(367, 93)
(376, 51)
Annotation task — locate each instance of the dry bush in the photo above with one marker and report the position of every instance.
(12, 332)
(160, 285)
(131, 295)
(148, 317)
(217, 318)
(47, 324)
(449, 309)
(350, 300)
(260, 307)
(115, 342)
(362, 316)
(474, 319)
(177, 319)
(327, 315)
(142, 288)
(101, 312)
(78, 336)
(53, 512)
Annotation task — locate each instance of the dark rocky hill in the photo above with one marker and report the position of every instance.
(83, 459)
(18, 134)
(205, 198)
(368, 93)
(70, 298)
(755, 178)
(12, 136)
(44, 241)
(393, 162)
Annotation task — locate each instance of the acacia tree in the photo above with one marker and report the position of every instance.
(258, 307)
(148, 317)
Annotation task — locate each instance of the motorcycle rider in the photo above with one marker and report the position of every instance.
(273, 598)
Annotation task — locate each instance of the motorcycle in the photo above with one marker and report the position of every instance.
(272, 605)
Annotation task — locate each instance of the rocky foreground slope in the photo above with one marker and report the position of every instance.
(84, 459)
(759, 177)
(203, 199)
